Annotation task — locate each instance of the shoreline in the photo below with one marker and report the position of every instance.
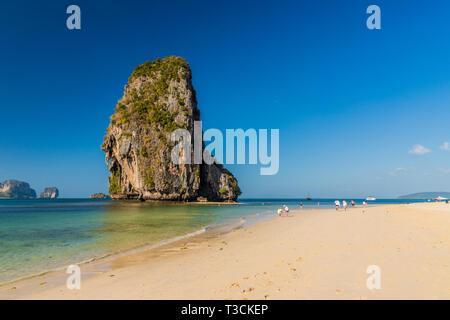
(213, 230)
(104, 260)
(103, 263)
(313, 254)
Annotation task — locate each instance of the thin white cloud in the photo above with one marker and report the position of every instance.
(419, 150)
(397, 171)
(444, 171)
(445, 146)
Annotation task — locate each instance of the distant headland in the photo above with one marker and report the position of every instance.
(15, 189)
(426, 195)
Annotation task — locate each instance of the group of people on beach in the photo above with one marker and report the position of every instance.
(284, 210)
(337, 203)
(345, 206)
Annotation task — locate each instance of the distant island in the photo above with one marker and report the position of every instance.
(50, 193)
(426, 195)
(14, 189)
(99, 196)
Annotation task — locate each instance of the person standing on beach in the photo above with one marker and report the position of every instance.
(337, 204)
(286, 209)
(353, 204)
(301, 205)
(345, 205)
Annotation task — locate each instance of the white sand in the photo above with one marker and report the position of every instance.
(316, 254)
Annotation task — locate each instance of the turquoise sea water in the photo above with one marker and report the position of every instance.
(41, 235)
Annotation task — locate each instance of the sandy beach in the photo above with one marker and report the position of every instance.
(313, 254)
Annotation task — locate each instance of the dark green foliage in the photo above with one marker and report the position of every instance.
(143, 152)
(163, 117)
(197, 172)
(149, 182)
(233, 183)
(126, 134)
(147, 105)
(236, 188)
(168, 67)
(148, 178)
(162, 137)
(114, 182)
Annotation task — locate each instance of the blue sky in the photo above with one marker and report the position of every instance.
(350, 102)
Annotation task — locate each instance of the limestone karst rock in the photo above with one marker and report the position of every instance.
(158, 99)
(99, 196)
(50, 193)
(14, 189)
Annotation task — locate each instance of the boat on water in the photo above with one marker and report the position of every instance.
(371, 199)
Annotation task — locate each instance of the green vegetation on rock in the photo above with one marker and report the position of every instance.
(158, 99)
(114, 182)
(148, 176)
(168, 68)
(148, 105)
(233, 182)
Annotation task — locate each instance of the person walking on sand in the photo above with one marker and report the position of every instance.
(301, 205)
(337, 204)
(353, 204)
(345, 205)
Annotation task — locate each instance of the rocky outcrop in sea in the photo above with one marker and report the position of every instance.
(99, 196)
(50, 193)
(158, 99)
(14, 189)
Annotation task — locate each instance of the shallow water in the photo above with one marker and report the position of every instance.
(41, 235)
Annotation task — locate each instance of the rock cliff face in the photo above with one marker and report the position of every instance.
(13, 189)
(50, 193)
(159, 99)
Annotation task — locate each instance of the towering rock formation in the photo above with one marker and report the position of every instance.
(50, 193)
(13, 189)
(159, 99)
